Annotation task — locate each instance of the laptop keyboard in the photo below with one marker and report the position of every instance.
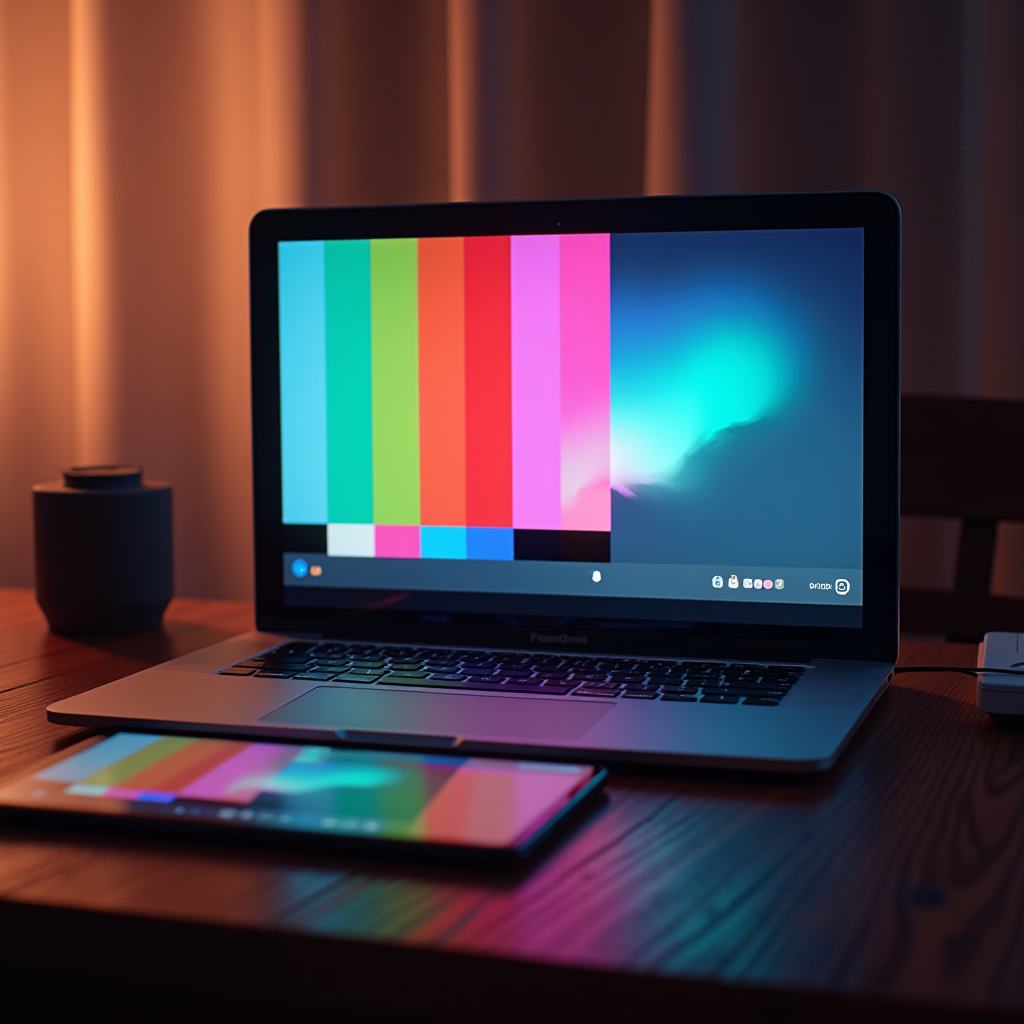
(709, 682)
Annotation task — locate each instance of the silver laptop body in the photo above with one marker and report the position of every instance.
(600, 479)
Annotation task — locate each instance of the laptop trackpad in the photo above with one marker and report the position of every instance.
(446, 714)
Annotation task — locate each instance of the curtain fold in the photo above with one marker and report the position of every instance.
(136, 141)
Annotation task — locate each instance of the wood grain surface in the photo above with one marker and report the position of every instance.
(892, 885)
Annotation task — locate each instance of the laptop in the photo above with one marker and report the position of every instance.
(602, 479)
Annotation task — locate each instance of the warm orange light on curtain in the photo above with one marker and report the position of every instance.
(94, 368)
(180, 120)
(138, 138)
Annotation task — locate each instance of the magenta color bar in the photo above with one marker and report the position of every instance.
(586, 382)
(122, 793)
(240, 779)
(397, 541)
(536, 394)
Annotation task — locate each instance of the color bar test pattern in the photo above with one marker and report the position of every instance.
(445, 392)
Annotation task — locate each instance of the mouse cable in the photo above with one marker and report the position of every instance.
(959, 668)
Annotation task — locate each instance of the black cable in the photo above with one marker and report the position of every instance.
(958, 668)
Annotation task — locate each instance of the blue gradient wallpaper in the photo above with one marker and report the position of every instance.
(737, 397)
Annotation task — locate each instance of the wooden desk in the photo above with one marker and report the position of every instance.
(891, 886)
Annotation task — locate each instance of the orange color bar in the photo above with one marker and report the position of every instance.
(442, 324)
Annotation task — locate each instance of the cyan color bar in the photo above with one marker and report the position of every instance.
(442, 542)
(88, 762)
(303, 382)
(490, 543)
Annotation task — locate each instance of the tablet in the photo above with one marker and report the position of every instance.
(485, 806)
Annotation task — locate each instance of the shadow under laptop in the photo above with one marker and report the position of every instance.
(901, 710)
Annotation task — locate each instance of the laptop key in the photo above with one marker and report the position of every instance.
(719, 698)
(352, 677)
(236, 670)
(472, 684)
(523, 686)
(265, 674)
(749, 691)
(296, 647)
(640, 695)
(607, 694)
(763, 702)
(680, 697)
(320, 677)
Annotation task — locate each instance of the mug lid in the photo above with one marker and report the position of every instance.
(96, 478)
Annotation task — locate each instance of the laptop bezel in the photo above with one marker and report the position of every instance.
(876, 212)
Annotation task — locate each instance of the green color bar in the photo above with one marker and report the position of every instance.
(349, 415)
(396, 414)
(120, 772)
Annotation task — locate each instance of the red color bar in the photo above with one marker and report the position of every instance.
(488, 382)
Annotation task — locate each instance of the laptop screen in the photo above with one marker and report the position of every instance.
(660, 425)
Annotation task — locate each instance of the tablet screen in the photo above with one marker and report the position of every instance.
(417, 798)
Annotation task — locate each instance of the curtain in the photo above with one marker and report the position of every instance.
(137, 139)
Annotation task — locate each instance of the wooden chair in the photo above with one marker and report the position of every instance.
(963, 458)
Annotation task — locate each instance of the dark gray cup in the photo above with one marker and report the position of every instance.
(103, 550)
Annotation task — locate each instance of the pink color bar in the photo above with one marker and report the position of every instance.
(397, 541)
(239, 779)
(586, 382)
(536, 395)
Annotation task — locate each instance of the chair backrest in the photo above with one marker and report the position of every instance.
(963, 458)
